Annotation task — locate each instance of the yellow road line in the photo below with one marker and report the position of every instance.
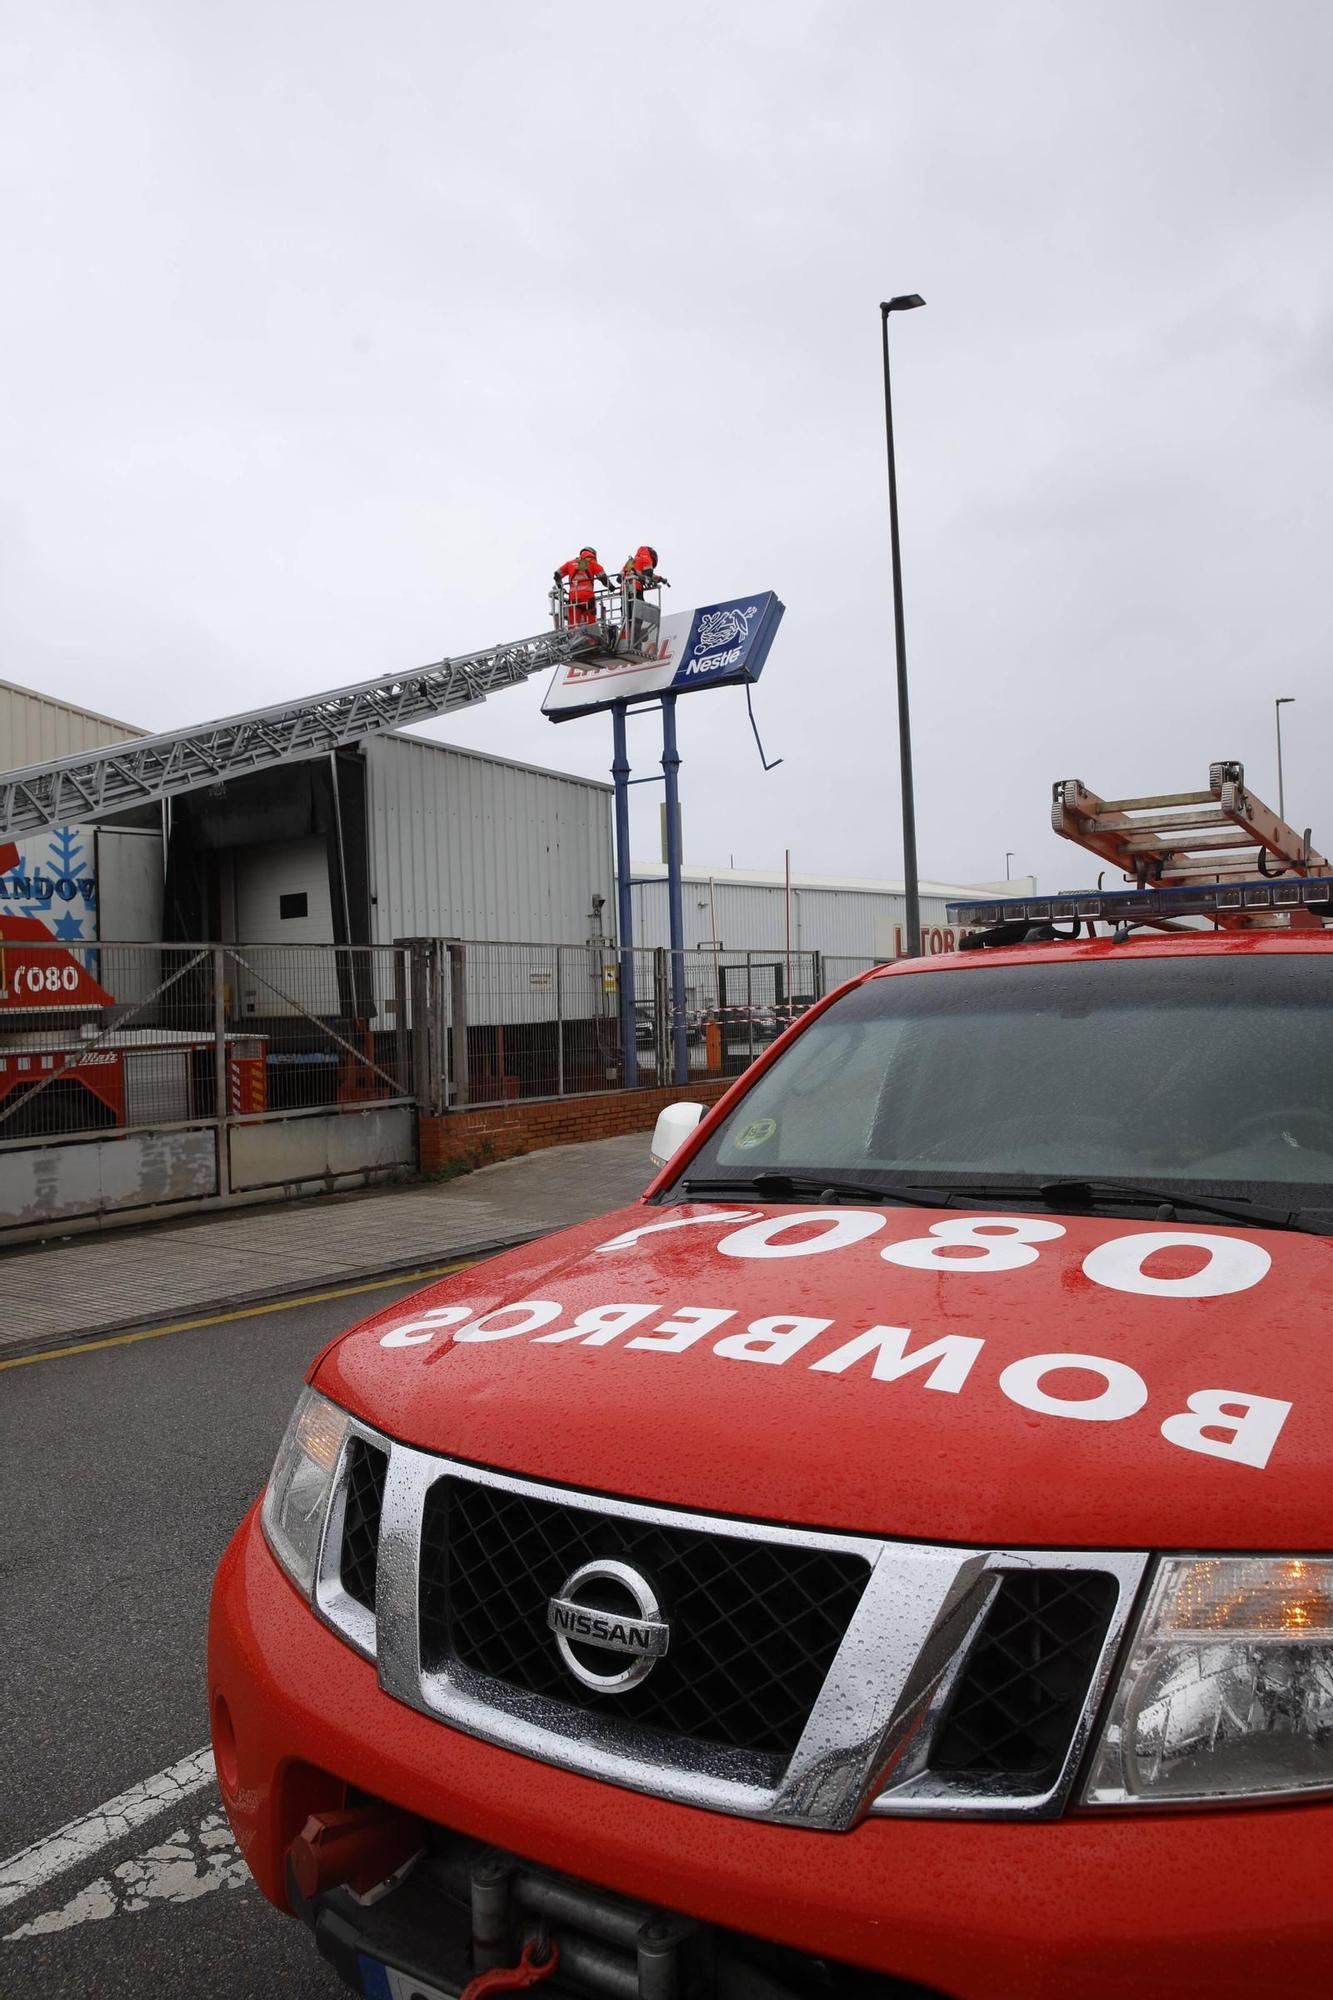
(242, 1312)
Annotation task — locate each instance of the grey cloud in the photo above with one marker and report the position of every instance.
(332, 332)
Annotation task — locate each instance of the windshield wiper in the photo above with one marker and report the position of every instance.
(1077, 1191)
(1239, 1209)
(1069, 1194)
(777, 1186)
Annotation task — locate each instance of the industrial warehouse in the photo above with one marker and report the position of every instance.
(848, 922)
(389, 924)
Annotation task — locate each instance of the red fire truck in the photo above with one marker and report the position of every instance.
(64, 1070)
(894, 1557)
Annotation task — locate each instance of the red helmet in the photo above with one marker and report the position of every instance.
(588, 552)
(645, 553)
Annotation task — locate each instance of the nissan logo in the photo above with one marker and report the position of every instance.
(589, 1614)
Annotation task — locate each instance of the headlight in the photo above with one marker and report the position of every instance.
(1228, 1690)
(296, 1499)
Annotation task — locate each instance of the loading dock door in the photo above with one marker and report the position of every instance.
(282, 897)
(282, 893)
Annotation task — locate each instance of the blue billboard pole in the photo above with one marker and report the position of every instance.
(715, 645)
(629, 1053)
(680, 1060)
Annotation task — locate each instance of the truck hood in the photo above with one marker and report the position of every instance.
(1059, 1381)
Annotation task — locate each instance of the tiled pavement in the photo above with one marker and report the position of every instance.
(112, 1283)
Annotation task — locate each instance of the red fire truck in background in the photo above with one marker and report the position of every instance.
(65, 1066)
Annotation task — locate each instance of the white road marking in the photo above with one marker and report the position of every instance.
(33, 1866)
(180, 1869)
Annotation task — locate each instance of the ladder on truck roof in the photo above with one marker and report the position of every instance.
(147, 769)
(1184, 839)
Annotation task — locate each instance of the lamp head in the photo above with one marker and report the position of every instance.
(903, 303)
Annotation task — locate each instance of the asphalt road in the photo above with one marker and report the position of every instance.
(125, 1470)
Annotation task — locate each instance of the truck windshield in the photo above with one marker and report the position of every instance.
(1209, 1073)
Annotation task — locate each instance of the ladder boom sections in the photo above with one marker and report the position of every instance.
(1180, 838)
(149, 769)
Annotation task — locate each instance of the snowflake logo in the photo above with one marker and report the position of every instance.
(722, 628)
(62, 878)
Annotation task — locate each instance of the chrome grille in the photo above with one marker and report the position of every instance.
(916, 1678)
(1021, 1690)
(755, 1624)
(367, 1467)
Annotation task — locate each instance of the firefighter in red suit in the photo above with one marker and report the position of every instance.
(640, 571)
(581, 573)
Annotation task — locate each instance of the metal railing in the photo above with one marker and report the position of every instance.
(616, 615)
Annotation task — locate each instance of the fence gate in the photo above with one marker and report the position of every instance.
(757, 995)
(140, 1077)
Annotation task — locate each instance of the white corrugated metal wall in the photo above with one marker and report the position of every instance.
(754, 916)
(838, 918)
(464, 845)
(34, 727)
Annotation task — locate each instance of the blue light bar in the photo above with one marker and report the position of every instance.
(1207, 899)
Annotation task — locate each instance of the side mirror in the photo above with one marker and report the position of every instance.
(675, 1122)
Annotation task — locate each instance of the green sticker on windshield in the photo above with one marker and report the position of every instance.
(757, 1133)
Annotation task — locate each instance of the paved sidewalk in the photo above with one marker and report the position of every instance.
(114, 1283)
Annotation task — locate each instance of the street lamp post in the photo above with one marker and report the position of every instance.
(1282, 701)
(905, 303)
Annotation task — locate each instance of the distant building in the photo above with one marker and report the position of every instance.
(841, 917)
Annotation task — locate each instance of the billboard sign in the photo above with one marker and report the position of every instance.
(716, 645)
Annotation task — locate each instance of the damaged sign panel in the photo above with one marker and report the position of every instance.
(716, 645)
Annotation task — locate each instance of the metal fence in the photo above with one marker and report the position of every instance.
(120, 1038)
(839, 966)
(535, 1020)
(530, 1020)
(137, 1037)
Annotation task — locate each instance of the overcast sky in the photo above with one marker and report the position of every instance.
(327, 330)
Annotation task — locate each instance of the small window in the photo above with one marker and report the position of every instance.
(295, 905)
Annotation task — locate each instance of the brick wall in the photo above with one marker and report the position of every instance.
(502, 1130)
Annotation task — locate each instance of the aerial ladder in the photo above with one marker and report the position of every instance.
(149, 769)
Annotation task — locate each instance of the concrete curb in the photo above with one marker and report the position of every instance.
(262, 1295)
